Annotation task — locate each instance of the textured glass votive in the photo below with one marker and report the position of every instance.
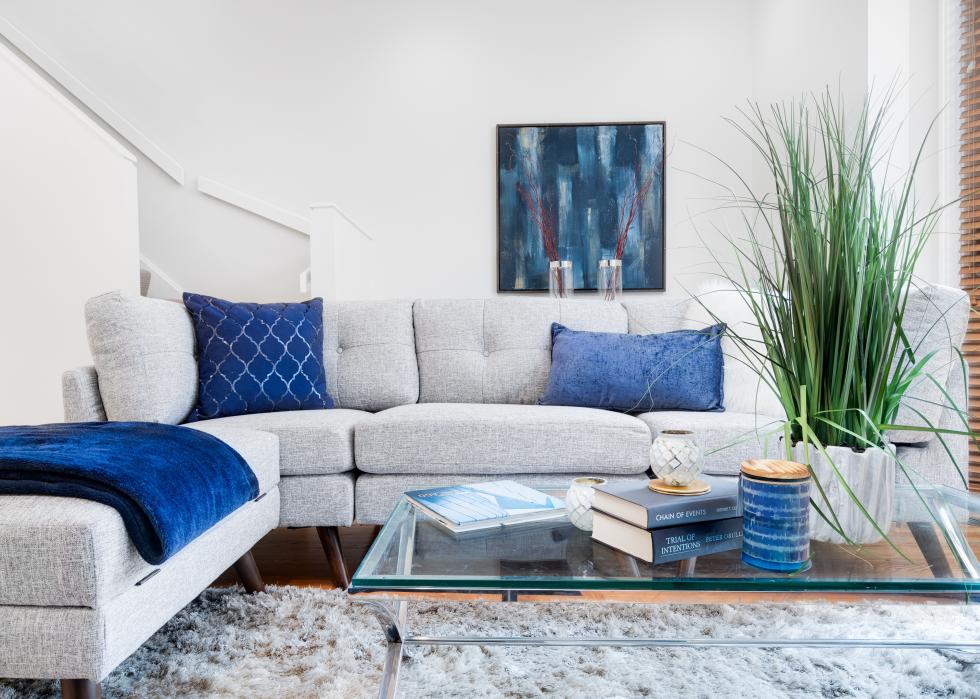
(775, 499)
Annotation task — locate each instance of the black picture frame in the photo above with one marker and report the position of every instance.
(663, 193)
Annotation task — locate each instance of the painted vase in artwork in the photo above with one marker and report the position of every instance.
(610, 280)
(561, 283)
(578, 501)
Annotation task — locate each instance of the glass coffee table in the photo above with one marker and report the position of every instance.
(414, 558)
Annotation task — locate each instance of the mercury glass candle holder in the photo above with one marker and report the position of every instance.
(578, 501)
(676, 457)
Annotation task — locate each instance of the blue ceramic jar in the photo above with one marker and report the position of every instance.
(775, 499)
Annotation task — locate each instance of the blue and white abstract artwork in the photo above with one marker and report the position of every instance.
(579, 181)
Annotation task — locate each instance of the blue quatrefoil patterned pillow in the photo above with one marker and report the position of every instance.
(257, 357)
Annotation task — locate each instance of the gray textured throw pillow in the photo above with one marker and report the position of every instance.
(143, 351)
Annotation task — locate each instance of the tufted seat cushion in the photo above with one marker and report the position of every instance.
(73, 552)
(311, 442)
(497, 439)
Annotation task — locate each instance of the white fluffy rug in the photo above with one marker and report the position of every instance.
(302, 642)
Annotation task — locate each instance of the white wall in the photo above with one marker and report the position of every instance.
(68, 230)
(388, 108)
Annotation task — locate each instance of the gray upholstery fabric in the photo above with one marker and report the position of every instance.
(51, 642)
(74, 552)
(728, 439)
(311, 442)
(935, 321)
(496, 350)
(317, 501)
(929, 464)
(259, 449)
(80, 395)
(135, 615)
(85, 643)
(476, 438)
(143, 351)
(63, 551)
(656, 314)
(369, 354)
(376, 495)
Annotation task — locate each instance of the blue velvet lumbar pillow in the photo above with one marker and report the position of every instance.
(257, 357)
(681, 370)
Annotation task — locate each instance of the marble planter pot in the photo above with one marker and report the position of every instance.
(870, 474)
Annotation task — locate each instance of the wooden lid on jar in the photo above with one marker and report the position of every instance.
(775, 470)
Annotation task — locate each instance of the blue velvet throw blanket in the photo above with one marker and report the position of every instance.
(170, 484)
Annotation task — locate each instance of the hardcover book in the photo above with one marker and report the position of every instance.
(465, 508)
(668, 543)
(634, 502)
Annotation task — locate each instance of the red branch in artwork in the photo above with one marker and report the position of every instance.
(543, 218)
(629, 207)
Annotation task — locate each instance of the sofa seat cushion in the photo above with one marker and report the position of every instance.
(735, 436)
(311, 442)
(259, 449)
(57, 551)
(469, 438)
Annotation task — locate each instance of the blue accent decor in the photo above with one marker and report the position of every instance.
(257, 357)
(776, 526)
(582, 174)
(169, 484)
(680, 370)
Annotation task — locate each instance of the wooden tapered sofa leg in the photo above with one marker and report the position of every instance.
(330, 540)
(80, 689)
(248, 573)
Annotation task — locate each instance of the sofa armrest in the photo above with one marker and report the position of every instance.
(81, 397)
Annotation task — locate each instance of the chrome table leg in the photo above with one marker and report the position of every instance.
(393, 621)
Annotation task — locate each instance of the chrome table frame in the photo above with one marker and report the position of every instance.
(393, 615)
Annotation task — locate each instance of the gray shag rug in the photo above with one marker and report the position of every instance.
(307, 642)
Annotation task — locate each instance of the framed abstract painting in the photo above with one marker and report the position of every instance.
(584, 193)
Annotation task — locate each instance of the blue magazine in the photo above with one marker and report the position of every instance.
(463, 508)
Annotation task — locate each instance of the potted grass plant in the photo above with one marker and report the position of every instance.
(826, 266)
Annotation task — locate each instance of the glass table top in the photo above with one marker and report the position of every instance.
(937, 555)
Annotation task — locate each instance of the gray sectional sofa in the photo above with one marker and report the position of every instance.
(428, 392)
(442, 391)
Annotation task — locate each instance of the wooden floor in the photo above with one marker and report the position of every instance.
(295, 557)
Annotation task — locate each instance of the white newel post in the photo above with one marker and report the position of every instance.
(323, 251)
(344, 264)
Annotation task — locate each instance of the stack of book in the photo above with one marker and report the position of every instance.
(659, 528)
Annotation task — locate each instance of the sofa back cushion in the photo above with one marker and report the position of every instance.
(497, 350)
(143, 352)
(657, 314)
(935, 321)
(369, 354)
